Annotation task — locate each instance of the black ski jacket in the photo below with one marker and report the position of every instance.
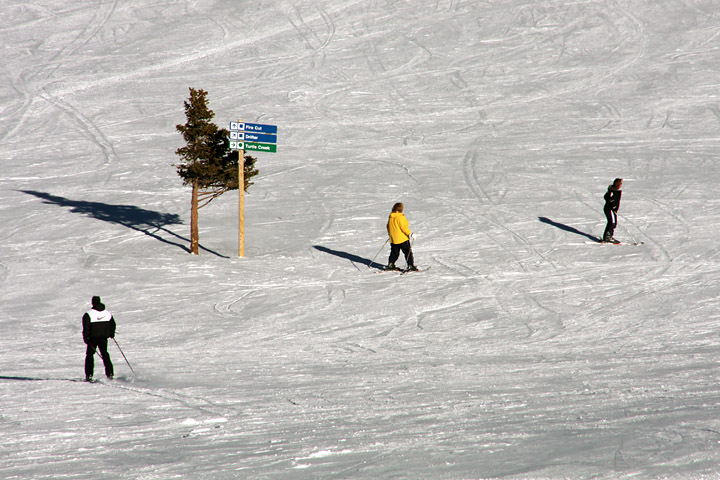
(612, 199)
(98, 323)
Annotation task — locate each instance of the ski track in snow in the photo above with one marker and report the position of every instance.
(522, 353)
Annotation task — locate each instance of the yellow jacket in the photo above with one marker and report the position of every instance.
(398, 228)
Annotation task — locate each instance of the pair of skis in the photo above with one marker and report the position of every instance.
(403, 271)
(600, 242)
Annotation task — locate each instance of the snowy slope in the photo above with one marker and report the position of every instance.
(524, 352)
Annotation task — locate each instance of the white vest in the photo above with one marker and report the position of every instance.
(96, 316)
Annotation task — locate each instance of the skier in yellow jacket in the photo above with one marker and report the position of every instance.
(399, 232)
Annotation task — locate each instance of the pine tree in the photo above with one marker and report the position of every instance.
(208, 164)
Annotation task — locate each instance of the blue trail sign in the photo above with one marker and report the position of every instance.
(259, 128)
(260, 137)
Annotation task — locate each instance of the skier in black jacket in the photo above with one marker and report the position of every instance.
(612, 203)
(98, 325)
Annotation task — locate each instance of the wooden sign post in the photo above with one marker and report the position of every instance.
(241, 204)
(263, 138)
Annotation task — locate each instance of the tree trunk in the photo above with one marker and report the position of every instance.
(194, 231)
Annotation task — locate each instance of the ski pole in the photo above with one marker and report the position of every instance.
(376, 255)
(626, 229)
(126, 360)
(412, 241)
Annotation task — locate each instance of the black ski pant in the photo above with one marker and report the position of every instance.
(395, 249)
(611, 222)
(102, 344)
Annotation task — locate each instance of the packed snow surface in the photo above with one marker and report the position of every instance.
(525, 351)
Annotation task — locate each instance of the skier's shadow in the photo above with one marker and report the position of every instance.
(21, 379)
(349, 256)
(39, 379)
(146, 221)
(567, 228)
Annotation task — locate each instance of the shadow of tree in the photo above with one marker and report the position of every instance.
(139, 219)
(349, 256)
(567, 228)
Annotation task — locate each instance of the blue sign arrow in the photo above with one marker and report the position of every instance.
(259, 128)
(259, 137)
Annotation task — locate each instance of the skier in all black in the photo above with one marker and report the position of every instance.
(98, 325)
(612, 203)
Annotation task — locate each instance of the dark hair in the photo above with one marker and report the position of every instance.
(398, 207)
(617, 182)
(96, 302)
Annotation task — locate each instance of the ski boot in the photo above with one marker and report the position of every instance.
(610, 239)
